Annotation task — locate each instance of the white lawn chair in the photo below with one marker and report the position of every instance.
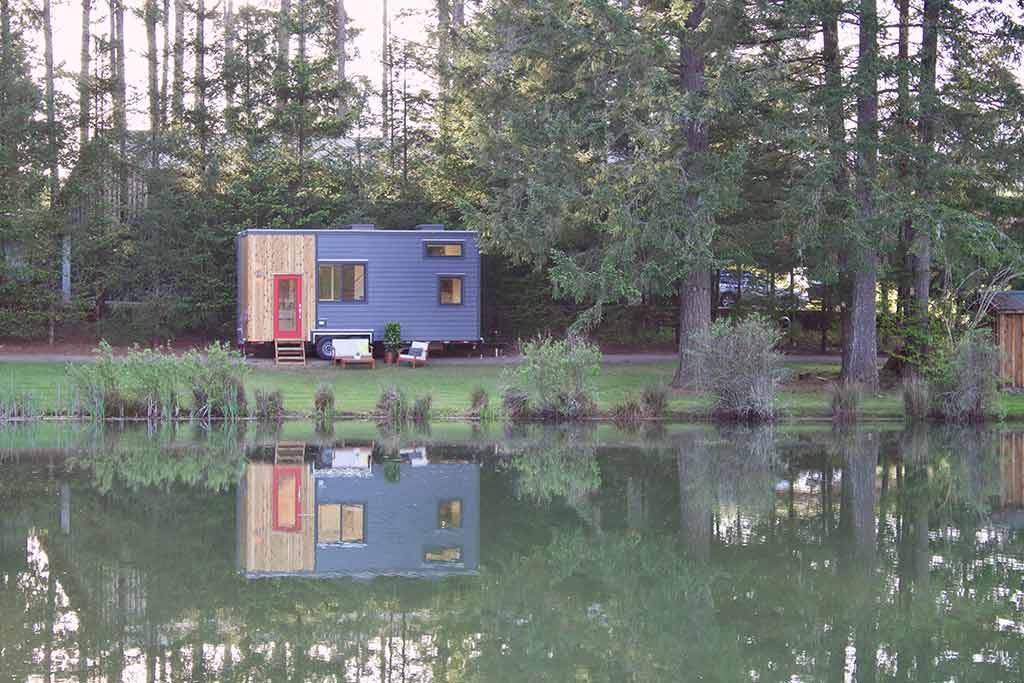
(415, 354)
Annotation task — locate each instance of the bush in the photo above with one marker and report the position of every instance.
(269, 405)
(917, 397)
(323, 402)
(516, 403)
(421, 407)
(965, 391)
(558, 374)
(739, 367)
(654, 400)
(392, 405)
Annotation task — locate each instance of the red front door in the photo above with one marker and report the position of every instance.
(287, 306)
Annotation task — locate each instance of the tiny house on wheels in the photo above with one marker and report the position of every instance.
(315, 286)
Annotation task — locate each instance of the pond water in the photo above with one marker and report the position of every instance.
(511, 553)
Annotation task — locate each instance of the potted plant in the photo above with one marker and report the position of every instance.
(392, 341)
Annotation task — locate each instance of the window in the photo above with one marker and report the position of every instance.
(449, 514)
(450, 290)
(341, 523)
(342, 282)
(450, 554)
(450, 249)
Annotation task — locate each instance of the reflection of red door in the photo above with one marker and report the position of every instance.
(286, 507)
(287, 306)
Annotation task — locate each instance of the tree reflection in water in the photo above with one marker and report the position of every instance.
(702, 553)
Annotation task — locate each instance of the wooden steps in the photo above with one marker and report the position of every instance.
(290, 453)
(290, 352)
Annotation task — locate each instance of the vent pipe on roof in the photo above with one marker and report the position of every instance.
(430, 226)
(362, 226)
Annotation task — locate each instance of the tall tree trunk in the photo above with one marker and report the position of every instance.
(118, 114)
(230, 82)
(695, 287)
(694, 471)
(458, 14)
(84, 78)
(903, 144)
(284, 39)
(151, 14)
(920, 238)
(443, 33)
(202, 118)
(178, 84)
(340, 30)
(166, 63)
(385, 81)
(54, 153)
(863, 259)
(302, 93)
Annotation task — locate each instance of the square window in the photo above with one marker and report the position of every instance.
(449, 514)
(341, 523)
(450, 554)
(442, 249)
(342, 282)
(450, 290)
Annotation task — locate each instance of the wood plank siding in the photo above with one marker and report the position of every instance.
(261, 257)
(264, 549)
(1010, 337)
(1012, 494)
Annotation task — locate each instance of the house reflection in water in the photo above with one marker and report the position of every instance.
(333, 511)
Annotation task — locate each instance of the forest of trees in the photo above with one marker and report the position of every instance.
(618, 150)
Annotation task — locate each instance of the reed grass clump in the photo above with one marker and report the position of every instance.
(422, 407)
(323, 403)
(18, 405)
(917, 397)
(516, 403)
(846, 401)
(148, 383)
(392, 405)
(654, 400)
(268, 405)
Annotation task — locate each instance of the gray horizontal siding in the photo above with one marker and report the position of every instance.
(402, 284)
(402, 518)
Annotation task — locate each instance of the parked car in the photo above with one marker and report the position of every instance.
(730, 291)
(754, 285)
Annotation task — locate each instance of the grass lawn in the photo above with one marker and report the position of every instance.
(356, 389)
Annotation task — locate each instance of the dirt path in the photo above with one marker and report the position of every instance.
(59, 355)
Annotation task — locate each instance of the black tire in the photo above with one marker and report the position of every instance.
(325, 348)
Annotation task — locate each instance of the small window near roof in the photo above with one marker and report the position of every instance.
(342, 282)
(444, 249)
(450, 290)
(450, 554)
(449, 514)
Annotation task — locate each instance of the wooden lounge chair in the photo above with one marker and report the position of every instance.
(414, 355)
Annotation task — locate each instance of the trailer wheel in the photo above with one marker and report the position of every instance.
(325, 348)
